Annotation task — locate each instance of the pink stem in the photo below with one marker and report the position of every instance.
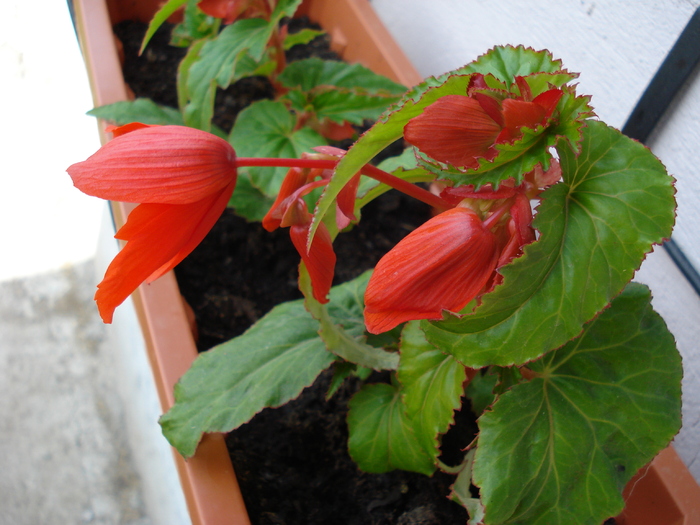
(369, 170)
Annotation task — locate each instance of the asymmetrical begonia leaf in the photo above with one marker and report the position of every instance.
(615, 202)
(313, 73)
(381, 437)
(248, 201)
(267, 366)
(432, 384)
(142, 110)
(559, 448)
(267, 129)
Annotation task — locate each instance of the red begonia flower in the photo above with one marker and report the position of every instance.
(319, 258)
(290, 210)
(460, 129)
(442, 265)
(183, 179)
(228, 10)
(454, 129)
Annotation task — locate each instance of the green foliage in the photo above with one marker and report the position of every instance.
(559, 449)
(342, 325)
(267, 366)
(615, 202)
(267, 129)
(142, 110)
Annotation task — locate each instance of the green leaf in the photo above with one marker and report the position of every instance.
(480, 390)
(248, 201)
(388, 129)
(560, 448)
(343, 325)
(301, 37)
(267, 366)
(183, 72)
(507, 62)
(339, 91)
(142, 110)
(595, 227)
(380, 435)
(313, 73)
(431, 383)
(161, 16)
(461, 490)
(217, 66)
(267, 129)
(196, 25)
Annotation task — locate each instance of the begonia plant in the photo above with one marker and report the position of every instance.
(315, 100)
(516, 294)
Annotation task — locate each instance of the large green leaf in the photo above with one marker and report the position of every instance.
(248, 201)
(559, 449)
(339, 91)
(432, 386)
(313, 73)
(142, 110)
(381, 436)
(595, 227)
(217, 66)
(267, 366)
(226, 386)
(267, 129)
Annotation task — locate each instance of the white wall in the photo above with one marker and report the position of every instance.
(617, 46)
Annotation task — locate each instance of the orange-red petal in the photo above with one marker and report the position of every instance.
(158, 164)
(454, 129)
(442, 265)
(228, 10)
(319, 259)
(158, 237)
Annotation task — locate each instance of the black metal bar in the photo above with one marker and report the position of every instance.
(675, 70)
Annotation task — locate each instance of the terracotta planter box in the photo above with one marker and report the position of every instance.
(662, 494)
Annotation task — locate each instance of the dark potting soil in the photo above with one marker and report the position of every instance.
(292, 462)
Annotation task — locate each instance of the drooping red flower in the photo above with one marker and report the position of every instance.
(290, 210)
(460, 129)
(182, 178)
(442, 265)
(228, 10)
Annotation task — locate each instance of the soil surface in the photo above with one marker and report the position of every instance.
(292, 462)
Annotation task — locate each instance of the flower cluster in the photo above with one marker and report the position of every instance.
(183, 178)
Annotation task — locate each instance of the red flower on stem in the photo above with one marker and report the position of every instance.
(441, 265)
(458, 130)
(182, 178)
(290, 210)
(454, 257)
(228, 10)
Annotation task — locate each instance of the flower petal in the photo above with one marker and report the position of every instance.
(319, 259)
(158, 237)
(454, 129)
(519, 113)
(158, 164)
(442, 265)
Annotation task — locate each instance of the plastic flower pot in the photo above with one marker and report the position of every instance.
(663, 493)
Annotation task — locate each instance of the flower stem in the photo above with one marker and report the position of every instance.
(371, 171)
